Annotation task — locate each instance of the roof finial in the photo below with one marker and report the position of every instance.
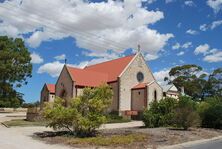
(138, 50)
(65, 61)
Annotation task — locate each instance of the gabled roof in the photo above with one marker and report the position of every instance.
(140, 86)
(84, 77)
(51, 88)
(112, 68)
(97, 74)
(168, 87)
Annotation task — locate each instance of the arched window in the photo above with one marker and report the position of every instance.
(155, 95)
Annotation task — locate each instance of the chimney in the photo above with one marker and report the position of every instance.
(182, 91)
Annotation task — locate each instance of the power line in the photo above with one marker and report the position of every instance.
(77, 32)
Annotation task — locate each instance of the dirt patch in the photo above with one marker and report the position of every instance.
(131, 138)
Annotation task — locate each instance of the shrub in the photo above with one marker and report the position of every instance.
(211, 114)
(213, 117)
(85, 113)
(160, 113)
(185, 113)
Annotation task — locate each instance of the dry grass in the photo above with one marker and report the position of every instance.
(107, 141)
(24, 123)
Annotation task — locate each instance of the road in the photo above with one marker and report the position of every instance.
(215, 144)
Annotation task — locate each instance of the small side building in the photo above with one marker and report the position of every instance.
(47, 93)
(170, 91)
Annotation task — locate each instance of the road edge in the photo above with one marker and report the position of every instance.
(187, 144)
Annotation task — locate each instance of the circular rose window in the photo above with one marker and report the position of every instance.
(140, 77)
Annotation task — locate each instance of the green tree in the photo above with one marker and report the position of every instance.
(160, 113)
(84, 114)
(185, 113)
(214, 83)
(188, 76)
(15, 68)
(210, 111)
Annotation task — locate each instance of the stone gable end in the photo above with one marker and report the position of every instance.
(65, 84)
(128, 79)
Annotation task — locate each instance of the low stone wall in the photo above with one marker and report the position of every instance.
(33, 114)
(11, 110)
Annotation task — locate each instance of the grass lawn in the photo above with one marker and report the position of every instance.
(24, 123)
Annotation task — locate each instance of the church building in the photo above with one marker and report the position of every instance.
(131, 80)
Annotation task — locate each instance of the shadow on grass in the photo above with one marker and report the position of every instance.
(46, 134)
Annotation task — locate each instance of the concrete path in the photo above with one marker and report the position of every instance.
(21, 137)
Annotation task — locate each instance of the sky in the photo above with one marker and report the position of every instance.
(86, 32)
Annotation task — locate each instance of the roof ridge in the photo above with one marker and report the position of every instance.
(108, 61)
(87, 70)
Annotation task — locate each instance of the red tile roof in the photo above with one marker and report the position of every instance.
(97, 74)
(51, 88)
(112, 68)
(140, 86)
(84, 77)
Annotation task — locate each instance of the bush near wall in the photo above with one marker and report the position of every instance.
(170, 112)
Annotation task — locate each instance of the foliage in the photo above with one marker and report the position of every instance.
(214, 84)
(211, 112)
(170, 112)
(187, 76)
(85, 113)
(185, 113)
(160, 113)
(31, 105)
(115, 118)
(15, 68)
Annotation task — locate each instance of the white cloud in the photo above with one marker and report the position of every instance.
(189, 3)
(169, 1)
(150, 57)
(94, 25)
(149, 1)
(191, 32)
(180, 53)
(184, 46)
(60, 57)
(53, 68)
(202, 49)
(176, 46)
(211, 26)
(36, 58)
(160, 75)
(214, 57)
(215, 4)
(216, 24)
(203, 27)
(179, 24)
(210, 55)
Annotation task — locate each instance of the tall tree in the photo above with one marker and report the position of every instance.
(214, 83)
(189, 77)
(15, 68)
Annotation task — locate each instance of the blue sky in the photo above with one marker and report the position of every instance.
(170, 32)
